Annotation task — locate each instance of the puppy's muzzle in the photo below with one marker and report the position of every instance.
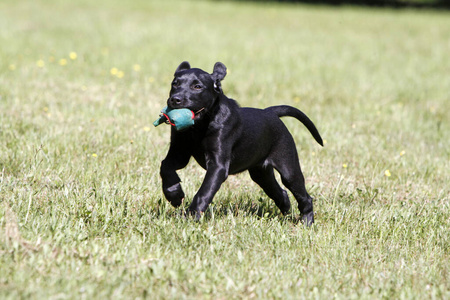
(175, 102)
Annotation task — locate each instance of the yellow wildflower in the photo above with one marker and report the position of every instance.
(120, 74)
(136, 67)
(12, 67)
(63, 62)
(151, 79)
(146, 128)
(114, 71)
(73, 55)
(344, 166)
(94, 154)
(40, 63)
(387, 173)
(402, 153)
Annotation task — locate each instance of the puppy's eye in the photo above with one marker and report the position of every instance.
(176, 84)
(197, 87)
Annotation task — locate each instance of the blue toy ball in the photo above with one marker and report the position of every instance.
(179, 118)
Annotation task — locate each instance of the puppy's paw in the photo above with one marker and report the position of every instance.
(308, 218)
(285, 205)
(174, 194)
(196, 214)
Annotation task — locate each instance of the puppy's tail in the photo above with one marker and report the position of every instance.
(289, 111)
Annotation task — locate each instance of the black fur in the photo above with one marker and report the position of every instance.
(227, 139)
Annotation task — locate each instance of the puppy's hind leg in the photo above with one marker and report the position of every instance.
(292, 177)
(295, 182)
(265, 178)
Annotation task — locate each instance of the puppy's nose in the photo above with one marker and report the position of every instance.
(175, 101)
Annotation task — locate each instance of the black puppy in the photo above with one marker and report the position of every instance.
(227, 139)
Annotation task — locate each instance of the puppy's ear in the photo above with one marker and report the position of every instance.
(217, 86)
(219, 72)
(183, 66)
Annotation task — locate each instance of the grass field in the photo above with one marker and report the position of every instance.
(82, 215)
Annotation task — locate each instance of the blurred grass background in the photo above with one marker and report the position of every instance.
(82, 214)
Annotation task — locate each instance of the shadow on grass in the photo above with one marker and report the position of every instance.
(262, 208)
(398, 4)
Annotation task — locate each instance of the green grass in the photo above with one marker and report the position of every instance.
(82, 214)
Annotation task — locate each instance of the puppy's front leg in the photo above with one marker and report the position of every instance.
(176, 159)
(171, 183)
(216, 174)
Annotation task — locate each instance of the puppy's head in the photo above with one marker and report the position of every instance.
(195, 89)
